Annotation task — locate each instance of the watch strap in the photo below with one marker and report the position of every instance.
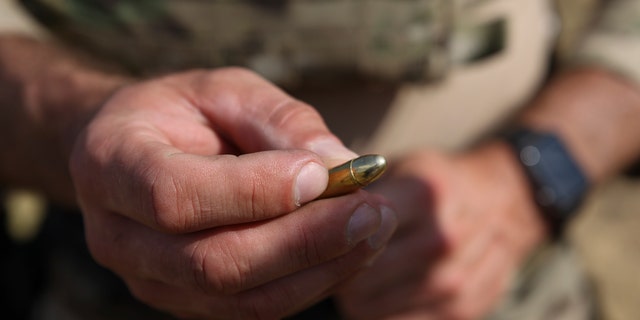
(558, 183)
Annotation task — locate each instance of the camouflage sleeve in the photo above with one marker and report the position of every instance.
(614, 41)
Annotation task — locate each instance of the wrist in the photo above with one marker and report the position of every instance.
(47, 97)
(67, 112)
(558, 182)
(73, 104)
(55, 93)
(596, 115)
(501, 166)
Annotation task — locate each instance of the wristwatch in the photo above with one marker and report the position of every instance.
(558, 183)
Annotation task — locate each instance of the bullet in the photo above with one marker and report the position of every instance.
(354, 174)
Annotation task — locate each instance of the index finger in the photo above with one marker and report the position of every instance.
(256, 115)
(177, 192)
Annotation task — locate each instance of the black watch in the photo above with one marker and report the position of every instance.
(558, 183)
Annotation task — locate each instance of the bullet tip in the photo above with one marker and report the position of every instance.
(368, 168)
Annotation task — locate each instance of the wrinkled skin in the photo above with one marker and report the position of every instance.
(196, 190)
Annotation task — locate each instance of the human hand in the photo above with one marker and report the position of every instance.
(466, 223)
(186, 183)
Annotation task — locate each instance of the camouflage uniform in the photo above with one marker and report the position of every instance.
(423, 46)
(270, 36)
(287, 38)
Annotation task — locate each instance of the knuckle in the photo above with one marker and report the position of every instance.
(162, 194)
(216, 271)
(265, 193)
(310, 252)
(290, 112)
(257, 200)
(169, 212)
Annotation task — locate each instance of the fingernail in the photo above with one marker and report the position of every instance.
(310, 183)
(332, 150)
(364, 222)
(387, 227)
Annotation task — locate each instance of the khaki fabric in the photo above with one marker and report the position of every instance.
(15, 19)
(553, 285)
(614, 41)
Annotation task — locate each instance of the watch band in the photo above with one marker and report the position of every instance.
(559, 184)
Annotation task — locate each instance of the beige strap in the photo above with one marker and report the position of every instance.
(473, 98)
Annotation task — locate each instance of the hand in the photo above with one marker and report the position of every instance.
(466, 222)
(187, 184)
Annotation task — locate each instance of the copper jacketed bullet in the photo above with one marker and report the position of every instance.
(354, 174)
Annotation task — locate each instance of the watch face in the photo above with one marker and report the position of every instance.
(558, 182)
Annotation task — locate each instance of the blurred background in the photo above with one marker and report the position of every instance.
(607, 234)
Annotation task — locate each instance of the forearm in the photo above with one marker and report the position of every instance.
(46, 97)
(596, 114)
(593, 112)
